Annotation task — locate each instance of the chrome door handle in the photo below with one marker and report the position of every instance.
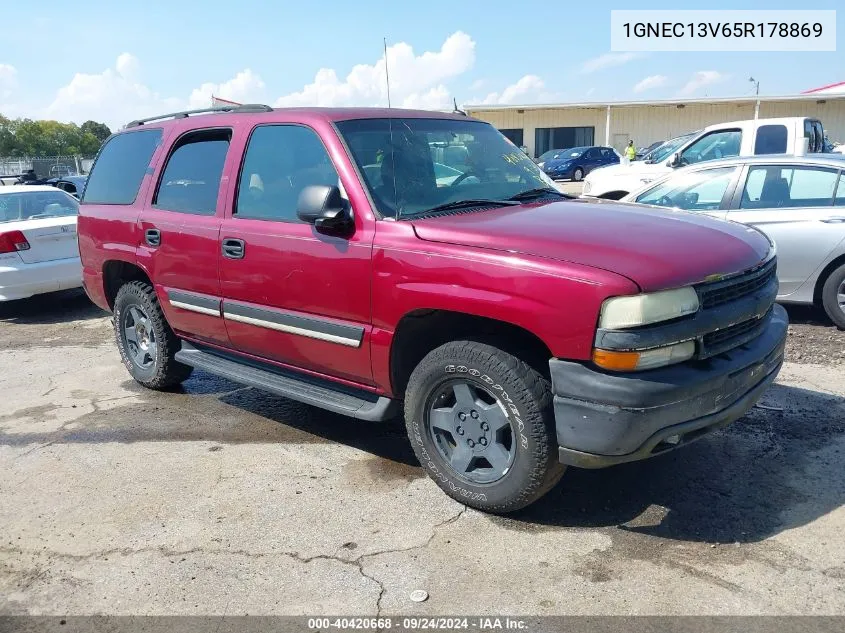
(834, 219)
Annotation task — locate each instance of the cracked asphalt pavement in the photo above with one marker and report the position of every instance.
(218, 499)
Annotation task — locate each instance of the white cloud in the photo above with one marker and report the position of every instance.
(8, 80)
(245, 87)
(478, 84)
(415, 80)
(608, 60)
(114, 96)
(651, 82)
(528, 88)
(118, 94)
(701, 79)
(127, 65)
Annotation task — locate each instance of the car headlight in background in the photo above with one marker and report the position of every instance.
(624, 312)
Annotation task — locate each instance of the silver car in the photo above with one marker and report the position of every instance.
(799, 202)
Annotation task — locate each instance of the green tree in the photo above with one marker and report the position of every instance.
(25, 137)
(100, 131)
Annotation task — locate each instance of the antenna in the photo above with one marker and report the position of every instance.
(386, 73)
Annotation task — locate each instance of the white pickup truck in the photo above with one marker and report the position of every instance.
(794, 135)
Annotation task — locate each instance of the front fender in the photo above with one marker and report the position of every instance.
(558, 302)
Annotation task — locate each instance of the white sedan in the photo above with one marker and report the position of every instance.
(38, 248)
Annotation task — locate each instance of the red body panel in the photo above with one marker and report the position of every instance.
(657, 249)
(543, 267)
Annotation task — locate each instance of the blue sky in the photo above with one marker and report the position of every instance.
(115, 61)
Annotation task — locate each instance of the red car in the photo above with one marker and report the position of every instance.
(316, 253)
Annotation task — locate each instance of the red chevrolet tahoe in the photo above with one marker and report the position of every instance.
(358, 259)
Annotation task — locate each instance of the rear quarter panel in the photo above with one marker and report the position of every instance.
(110, 232)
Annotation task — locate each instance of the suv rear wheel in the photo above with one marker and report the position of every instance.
(147, 344)
(481, 423)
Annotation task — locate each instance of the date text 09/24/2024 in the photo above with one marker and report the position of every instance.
(419, 623)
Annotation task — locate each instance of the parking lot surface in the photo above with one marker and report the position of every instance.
(220, 499)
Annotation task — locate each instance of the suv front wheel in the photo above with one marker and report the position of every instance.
(147, 344)
(481, 424)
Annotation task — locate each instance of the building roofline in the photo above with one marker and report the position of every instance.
(823, 88)
(657, 102)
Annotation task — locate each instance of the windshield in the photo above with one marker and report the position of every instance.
(31, 205)
(669, 147)
(413, 165)
(575, 152)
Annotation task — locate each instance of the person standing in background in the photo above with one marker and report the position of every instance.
(630, 151)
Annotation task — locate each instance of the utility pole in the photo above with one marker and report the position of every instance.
(386, 73)
(757, 94)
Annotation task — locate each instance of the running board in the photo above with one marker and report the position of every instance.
(365, 406)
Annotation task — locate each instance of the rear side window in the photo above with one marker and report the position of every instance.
(191, 178)
(773, 186)
(120, 167)
(771, 139)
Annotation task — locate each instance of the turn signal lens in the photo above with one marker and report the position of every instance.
(616, 361)
(645, 359)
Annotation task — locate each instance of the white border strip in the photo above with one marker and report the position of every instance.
(290, 329)
(192, 308)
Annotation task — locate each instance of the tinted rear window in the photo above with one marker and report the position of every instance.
(771, 139)
(120, 168)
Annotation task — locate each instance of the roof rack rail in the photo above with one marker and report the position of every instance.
(247, 107)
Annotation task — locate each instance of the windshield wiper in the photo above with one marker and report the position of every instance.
(467, 204)
(532, 194)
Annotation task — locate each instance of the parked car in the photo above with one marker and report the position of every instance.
(643, 152)
(798, 202)
(74, 185)
(523, 331)
(796, 135)
(38, 251)
(575, 163)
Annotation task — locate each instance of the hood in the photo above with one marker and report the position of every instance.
(655, 248)
(558, 162)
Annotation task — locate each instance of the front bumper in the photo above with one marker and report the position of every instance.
(561, 174)
(604, 418)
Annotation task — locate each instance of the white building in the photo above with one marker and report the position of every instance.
(561, 125)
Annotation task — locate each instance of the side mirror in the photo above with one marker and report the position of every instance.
(675, 161)
(325, 208)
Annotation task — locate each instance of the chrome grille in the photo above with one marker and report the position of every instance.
(714, 343)
(714, 294)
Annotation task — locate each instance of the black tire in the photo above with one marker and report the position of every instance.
(578, 174)
(832, 293)
(161, 371)
(524, 399)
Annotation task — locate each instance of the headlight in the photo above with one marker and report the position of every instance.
(644, 359)
(624, 312)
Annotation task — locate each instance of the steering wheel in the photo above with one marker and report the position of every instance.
(464, 176)
(665, 201)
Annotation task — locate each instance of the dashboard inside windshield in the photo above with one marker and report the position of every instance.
(413, 165)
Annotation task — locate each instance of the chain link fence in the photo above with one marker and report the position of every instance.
(47, 166)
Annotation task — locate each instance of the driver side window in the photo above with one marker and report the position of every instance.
(280, 161)
(721, 144)
(697, 191)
